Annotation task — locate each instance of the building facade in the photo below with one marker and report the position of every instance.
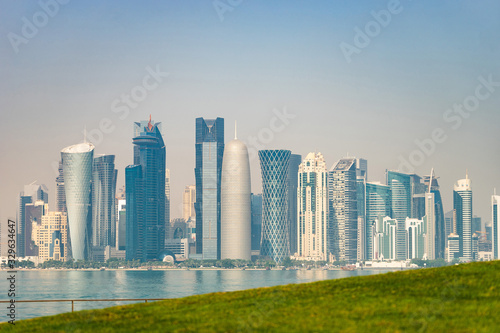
(51, 237)
(274, 166)
(209, 145)
(256, 202)
(293, 170)
(145, 196)
(378, 206)
(188, 200)
(462, 204)
(312, 214)
(30, 195)
(495, 227)
(77, 169)
(104, 177)
(342, 234)
(384, 239)
(236, 216)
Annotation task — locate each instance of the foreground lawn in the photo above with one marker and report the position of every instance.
(464, 298)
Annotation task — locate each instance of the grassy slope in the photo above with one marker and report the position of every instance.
(461, 298)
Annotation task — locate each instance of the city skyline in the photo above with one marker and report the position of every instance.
(385, 92)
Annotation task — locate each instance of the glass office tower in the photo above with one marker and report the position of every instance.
(104, 177)
(145, 196)
(209, 145)
(378, 206)
(274, 166)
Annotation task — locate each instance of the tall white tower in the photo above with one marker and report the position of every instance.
(235, 202)
(312, 214)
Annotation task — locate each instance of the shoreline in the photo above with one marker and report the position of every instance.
(203, 269)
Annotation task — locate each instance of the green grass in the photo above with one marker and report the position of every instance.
(464, 298)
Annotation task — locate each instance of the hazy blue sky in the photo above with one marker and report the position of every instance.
(259, 57)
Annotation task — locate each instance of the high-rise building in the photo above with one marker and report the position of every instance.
(256, 202)
(448, 224)
(31, 193)
(60, 194)
(384, 238)
(429, 221)
(274, 165)
(138, 129)
(121, 225)
(188, 200)
(378, 206)
(476, 226)
(209, 145)
(495, 225)
(312, 208)
(77, 169)
(293, 170)
(343, 217)
(361, 179)
(453, 246)
(167, 196)
(145, 196)
(51, 236)
(462, 204)
(236, 220)
(33, 217)
(407, 195)
(104, 177)
(440, 228)
(415, 235)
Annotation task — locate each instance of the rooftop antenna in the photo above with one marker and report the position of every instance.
(84, 133)
(235, 128)
(432, 178)
(467, 174)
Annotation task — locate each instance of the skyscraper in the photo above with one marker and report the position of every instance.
(407, 193)
(274, 165)
(362, 229)
(429, 222)
(33, 218)
(312, 208)
(77, 169)
(378, 206)
(60, 194)
(415, 231)
(167, 196)
(462, 204)
(495, 225)
(104, 177)
(440, 225)
(31, 194)
(188, 200)
(145, 196)
(384, 238)
(343, 217)
(293, 169)
(209, 145)
(235, 202)
(256, 200)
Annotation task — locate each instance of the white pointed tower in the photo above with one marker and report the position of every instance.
(235, 202)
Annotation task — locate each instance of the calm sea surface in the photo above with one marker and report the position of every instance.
(62, 284)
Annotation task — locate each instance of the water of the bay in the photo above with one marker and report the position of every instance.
(113, 284)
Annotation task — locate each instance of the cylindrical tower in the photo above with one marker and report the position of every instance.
(235, 202)
(77, 169)
(274, 166)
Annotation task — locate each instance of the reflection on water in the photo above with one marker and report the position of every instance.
(62, 284)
